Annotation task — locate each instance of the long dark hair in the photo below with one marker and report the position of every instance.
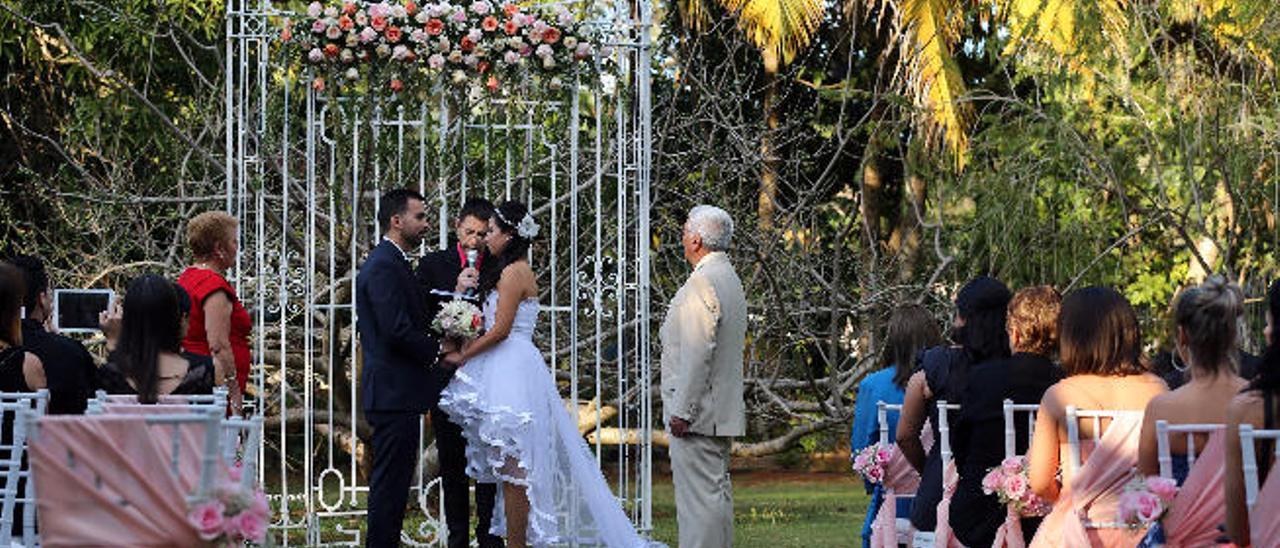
(150, 326)
(505, 217)
(983, 303)
(1098, 334)
(911, 329)
(1268, 379)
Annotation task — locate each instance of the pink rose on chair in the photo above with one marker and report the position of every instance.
(1015, 486)
(993, 482)
(207, 519)
(1164, 488)
(250, 526)
(1013, 465)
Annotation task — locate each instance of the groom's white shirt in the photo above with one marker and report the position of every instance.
(703, 339)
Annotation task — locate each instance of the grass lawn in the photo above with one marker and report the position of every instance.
(780, 509)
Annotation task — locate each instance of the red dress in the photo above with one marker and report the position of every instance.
(200, 283)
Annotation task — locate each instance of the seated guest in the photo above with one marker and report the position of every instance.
(20, 370)
(911, 330)
(147, 359)
(979, 330)
(1032, 326)
(1101, 349)
(69, 369)
(1257, 405)
(1205, 317)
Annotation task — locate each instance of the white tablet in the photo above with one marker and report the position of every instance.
(76, 310)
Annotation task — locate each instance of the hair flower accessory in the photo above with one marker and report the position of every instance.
(527, 229)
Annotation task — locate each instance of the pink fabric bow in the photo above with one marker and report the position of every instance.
(942, 535)
(1095, 490)
(1264, 527)
(899, 478)
(1009, 535)
(1200, 506)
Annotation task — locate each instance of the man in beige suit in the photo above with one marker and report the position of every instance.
(702, 346)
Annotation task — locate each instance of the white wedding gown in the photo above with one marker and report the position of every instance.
(518, 431)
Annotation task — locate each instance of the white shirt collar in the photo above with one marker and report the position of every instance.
(407, 258)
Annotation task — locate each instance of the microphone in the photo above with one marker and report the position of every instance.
(472, 256)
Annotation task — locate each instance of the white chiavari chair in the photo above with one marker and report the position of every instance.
(1010, 425)
(12, 451)
(1164, 451)
(925, 539)
(1249, 461)
(22, 489)
(902, 524)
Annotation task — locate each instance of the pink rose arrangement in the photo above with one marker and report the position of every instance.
(1145, 500)
(505, 38)
(1010, 484)
(872, 460)
(233, 516)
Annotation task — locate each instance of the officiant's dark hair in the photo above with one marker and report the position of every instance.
(151, 325)
(395, 202)
(517, 249)
(479, 208)
(911, 330)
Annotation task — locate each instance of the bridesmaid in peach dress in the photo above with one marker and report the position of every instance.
(1101, 350)
(1258, 405)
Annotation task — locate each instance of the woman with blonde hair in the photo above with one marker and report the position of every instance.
(219, 324)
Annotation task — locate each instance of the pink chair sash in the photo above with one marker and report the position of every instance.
(1200, 506)
(899, 478)
(1264, 527)
(942, 535)
(148, 409)
(104, 481)
(1009, 534)
(1095, 491)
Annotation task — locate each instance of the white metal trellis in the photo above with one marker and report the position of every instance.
(304, 171)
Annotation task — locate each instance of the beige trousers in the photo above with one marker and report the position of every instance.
(704, 496)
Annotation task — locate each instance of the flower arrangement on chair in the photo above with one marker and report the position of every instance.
(871, 461)
(398, 44)
(1146, 500)
(1009, 482)
(233, 516)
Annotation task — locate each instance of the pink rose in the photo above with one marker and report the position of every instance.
(875, 474)
(583, 50)
(543, 51)
(333, 32)
(551, 35)
(348, 8)
(319, 27)
(318, 84)
(259, 505)
(993, 482)
(860, 461)
(345, 22)
(1148, 507)
(1012, 465)
(393, 34)
(250, 526)
(884, 454)
(379, 10)
(480, 7)
(368, 35)
(1164, 488)
(378, 22)
(314, 10)
(489, 24)
(511, 57)
(435, 61)
(434, 27)
(459, 16)
(315, 55)
(207, 519)
(1015, 486)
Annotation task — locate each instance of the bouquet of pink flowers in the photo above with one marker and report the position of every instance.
(233, 516)
(871, 461)
(1009, 482)
(1145, 500)
(459, 319)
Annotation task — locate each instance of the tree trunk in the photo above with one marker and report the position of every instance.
(768, 198)
(872, 183)
(906, 237)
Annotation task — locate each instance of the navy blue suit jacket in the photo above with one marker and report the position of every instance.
(400, 369)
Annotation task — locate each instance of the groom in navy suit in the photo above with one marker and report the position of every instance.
(402, 376)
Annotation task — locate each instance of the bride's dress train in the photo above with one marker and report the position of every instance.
(518, 431)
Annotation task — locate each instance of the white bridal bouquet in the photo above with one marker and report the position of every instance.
(459, 319)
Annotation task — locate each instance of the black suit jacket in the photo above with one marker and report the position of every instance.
(68, 367)
(439, 270)
(400, 370)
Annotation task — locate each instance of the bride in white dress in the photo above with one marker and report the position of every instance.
(518, 431)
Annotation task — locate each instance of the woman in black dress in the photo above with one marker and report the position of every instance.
(147, 360)
(1032, 327)
(20, 371)
(979, 330)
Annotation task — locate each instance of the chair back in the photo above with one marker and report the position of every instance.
(1096, 418)
(882, 418)
(1010, 431)
(1165, 455)
(1249, 460)
(19, 493)
(944, 431)
(218, 397)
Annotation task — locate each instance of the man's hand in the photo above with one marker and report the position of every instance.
(448, 345)
(452, 360)
(467, 279)
(679, 427)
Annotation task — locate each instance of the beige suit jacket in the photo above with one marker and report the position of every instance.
(703, 339)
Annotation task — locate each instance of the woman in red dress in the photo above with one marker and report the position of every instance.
(220, 325)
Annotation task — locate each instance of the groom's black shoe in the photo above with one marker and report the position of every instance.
(485, 495)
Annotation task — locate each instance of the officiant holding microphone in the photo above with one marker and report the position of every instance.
(451, 271)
